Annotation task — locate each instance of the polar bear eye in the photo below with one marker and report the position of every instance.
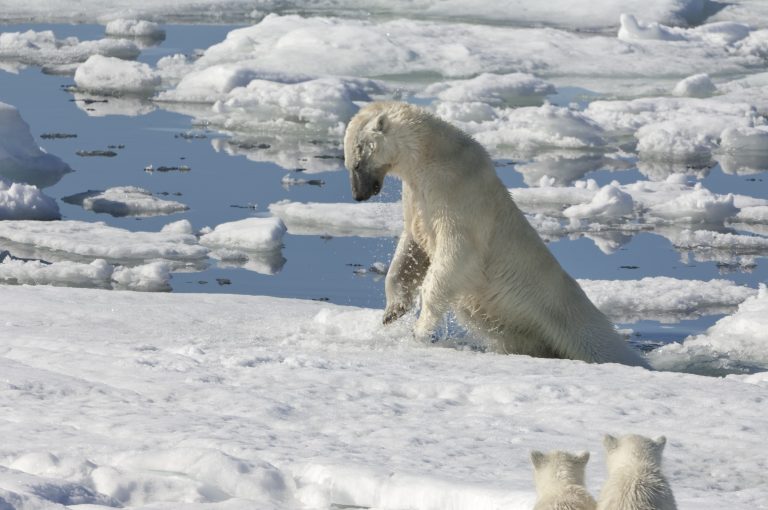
(372, 146)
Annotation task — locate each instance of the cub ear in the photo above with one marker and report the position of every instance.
(381, 124)
(610, 442)
(537, 458)
(582, 457)
(660, 442)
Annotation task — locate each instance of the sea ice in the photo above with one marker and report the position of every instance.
(253, 234)
(134, 28)
(109, 75)
(125, 201)
(26, 202)
(374, 219)
(43, 48)
(21, 159)
(698, 85)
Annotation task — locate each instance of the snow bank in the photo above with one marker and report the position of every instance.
(110, 75)
(254, 234)
(25, 202)
(21, 160)
(43, 48)
(180, 398)
(77, 240)
(735, 343)
(134, 28)
(374, 219)
(151, 277)
(125, 201)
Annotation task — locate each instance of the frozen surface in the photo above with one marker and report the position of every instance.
(243, 402)
(25, 202)
(125, 201)
(254, 234)
(44, 48)
(375, 219)
(21, 159)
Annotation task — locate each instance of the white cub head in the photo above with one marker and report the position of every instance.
(558, 468)
(371, 147)
(633, 449)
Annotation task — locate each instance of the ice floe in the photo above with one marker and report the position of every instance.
(735, 343)
(44, 48)
(21, 159)
(375, 219)
(255, 234)
(26, 202)
(81, 241)
(153, 276)
(109, 75)
(138, 28)
(125, 201)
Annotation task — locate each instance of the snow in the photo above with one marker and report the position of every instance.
(21, 159)
(216, 401)
(26, 202)
(254, 234)
(109, 75)
(125, 201)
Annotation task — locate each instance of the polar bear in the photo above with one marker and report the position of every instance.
(635, 481)
(559, 478)
(466, 246)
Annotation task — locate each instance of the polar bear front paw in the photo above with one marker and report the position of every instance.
(394, 312)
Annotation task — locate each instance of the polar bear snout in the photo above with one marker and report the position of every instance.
(364, 186)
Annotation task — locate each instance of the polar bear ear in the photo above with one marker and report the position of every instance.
(610, 442)
(660, 442)
(537, 458)
(582, 457)
(381, 124)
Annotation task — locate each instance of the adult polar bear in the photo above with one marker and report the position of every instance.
(467, 246)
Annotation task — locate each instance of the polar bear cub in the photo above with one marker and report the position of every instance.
(465, 245)
(559, 478)
(635, 481)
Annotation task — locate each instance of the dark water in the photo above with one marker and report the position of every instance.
(220, 188)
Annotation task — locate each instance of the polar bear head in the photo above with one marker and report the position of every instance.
(633, 449)
(371, 149)
(558, 468)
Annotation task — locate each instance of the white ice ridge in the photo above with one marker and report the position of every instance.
(152, 277)
(125, 201)
(21, 159)
(108, 75)
(78, 240)
(43, 48)
(177, 400)
(26, 202)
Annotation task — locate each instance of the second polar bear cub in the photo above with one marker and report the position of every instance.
(466, 246)
(559, 478)
(635, 480)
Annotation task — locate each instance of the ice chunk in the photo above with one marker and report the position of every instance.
(43, 48)
(26, 202)
(134, 28)
(514, 89)
(151, 277)
(736, 343)
(698, 85)
(255, 234)
(372, 219)
(113, 75)
(21, 160)
(609, 203)
(125, 201)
